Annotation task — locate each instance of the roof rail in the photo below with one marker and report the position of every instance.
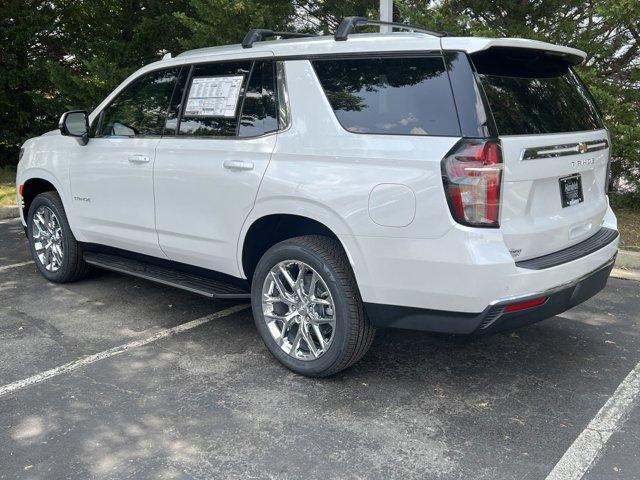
(348, 24)
(259, 34)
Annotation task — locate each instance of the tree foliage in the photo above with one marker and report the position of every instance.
(67, 54)
(608, 30)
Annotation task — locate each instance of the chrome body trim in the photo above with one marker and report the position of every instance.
(550, 151)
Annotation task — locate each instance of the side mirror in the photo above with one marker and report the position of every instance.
(75, 124)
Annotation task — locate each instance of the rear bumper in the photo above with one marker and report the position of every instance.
(467, 268)
(493, 318)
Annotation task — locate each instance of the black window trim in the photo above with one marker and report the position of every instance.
(492, 129)
(398, 54)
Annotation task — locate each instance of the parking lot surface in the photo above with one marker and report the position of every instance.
(210, 402)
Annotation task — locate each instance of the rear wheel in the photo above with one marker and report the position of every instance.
(307, 307)
(57, 254)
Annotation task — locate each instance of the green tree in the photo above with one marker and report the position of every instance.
(219, 22)
(104, 41)
(608, 30)
(27, 99)
(71, 54)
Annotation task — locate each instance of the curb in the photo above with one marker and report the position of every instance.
(9, 212)
(628, 260)
(626, 274)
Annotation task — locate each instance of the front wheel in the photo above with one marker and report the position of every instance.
(307, 307)
(57, 254)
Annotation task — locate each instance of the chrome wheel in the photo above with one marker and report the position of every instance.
(47, 238)
(298, 309)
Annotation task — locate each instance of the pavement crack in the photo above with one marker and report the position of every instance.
(69, 344)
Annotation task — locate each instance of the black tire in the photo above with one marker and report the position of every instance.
(353, 333)
(73, 265)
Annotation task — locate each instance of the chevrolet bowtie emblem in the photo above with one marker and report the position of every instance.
(583, 148)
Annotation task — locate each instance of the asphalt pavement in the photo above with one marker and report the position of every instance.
(210, 402)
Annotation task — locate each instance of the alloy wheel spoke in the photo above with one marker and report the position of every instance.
(279, 285)
(312, 285)
(270, 300)
(318, 320)
(309, 341)
(319, 335)
(287, 276)
(320, 301)
(287, 322)
(295, 344)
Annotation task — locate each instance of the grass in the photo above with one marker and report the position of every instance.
(629, 226)
(7, 186)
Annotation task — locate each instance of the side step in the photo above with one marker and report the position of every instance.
(208, 287)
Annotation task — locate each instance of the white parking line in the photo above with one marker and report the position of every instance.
(589, 444)
(14, 265)
(82, 362)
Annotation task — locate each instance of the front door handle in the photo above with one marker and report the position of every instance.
(237, 165)
(138, 159)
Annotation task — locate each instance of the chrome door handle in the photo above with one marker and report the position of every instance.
(138, 159)
(237, 165)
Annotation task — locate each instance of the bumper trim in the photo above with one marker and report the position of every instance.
(600, 239)
(546, 293)
(493, 318)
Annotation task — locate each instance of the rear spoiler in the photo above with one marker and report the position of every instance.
(472, 45)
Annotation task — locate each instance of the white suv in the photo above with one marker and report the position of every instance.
(407, 179)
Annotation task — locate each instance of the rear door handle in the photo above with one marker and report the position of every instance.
(138, 159)
(237, 165)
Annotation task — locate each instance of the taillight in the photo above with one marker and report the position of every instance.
(471, 173)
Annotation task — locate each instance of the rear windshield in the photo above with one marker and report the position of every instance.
(399, 96)
(536, 95)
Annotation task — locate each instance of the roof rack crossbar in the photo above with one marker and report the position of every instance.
(259, 34)
(348, 24)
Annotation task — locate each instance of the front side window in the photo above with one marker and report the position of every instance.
(141, 108)
(214, 98)
(400, 96)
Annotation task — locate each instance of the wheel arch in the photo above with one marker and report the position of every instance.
(34, 186)
(263, 232)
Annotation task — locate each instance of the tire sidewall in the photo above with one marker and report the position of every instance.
(288, 251)
(67, 238)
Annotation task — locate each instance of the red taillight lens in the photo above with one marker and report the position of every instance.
(472, 172)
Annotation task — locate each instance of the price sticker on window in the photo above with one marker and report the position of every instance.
(214, 96)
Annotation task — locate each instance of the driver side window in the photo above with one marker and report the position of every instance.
(141, 108)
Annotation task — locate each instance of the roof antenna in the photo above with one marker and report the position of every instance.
(166, 56)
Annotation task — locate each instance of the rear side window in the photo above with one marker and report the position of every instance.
(141, 108)
(213, 99)
(531, 94)
(259, 112)
(400, 96)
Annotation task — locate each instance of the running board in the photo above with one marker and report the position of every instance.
(208, 287)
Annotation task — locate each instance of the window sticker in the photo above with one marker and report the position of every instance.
(214, 96)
